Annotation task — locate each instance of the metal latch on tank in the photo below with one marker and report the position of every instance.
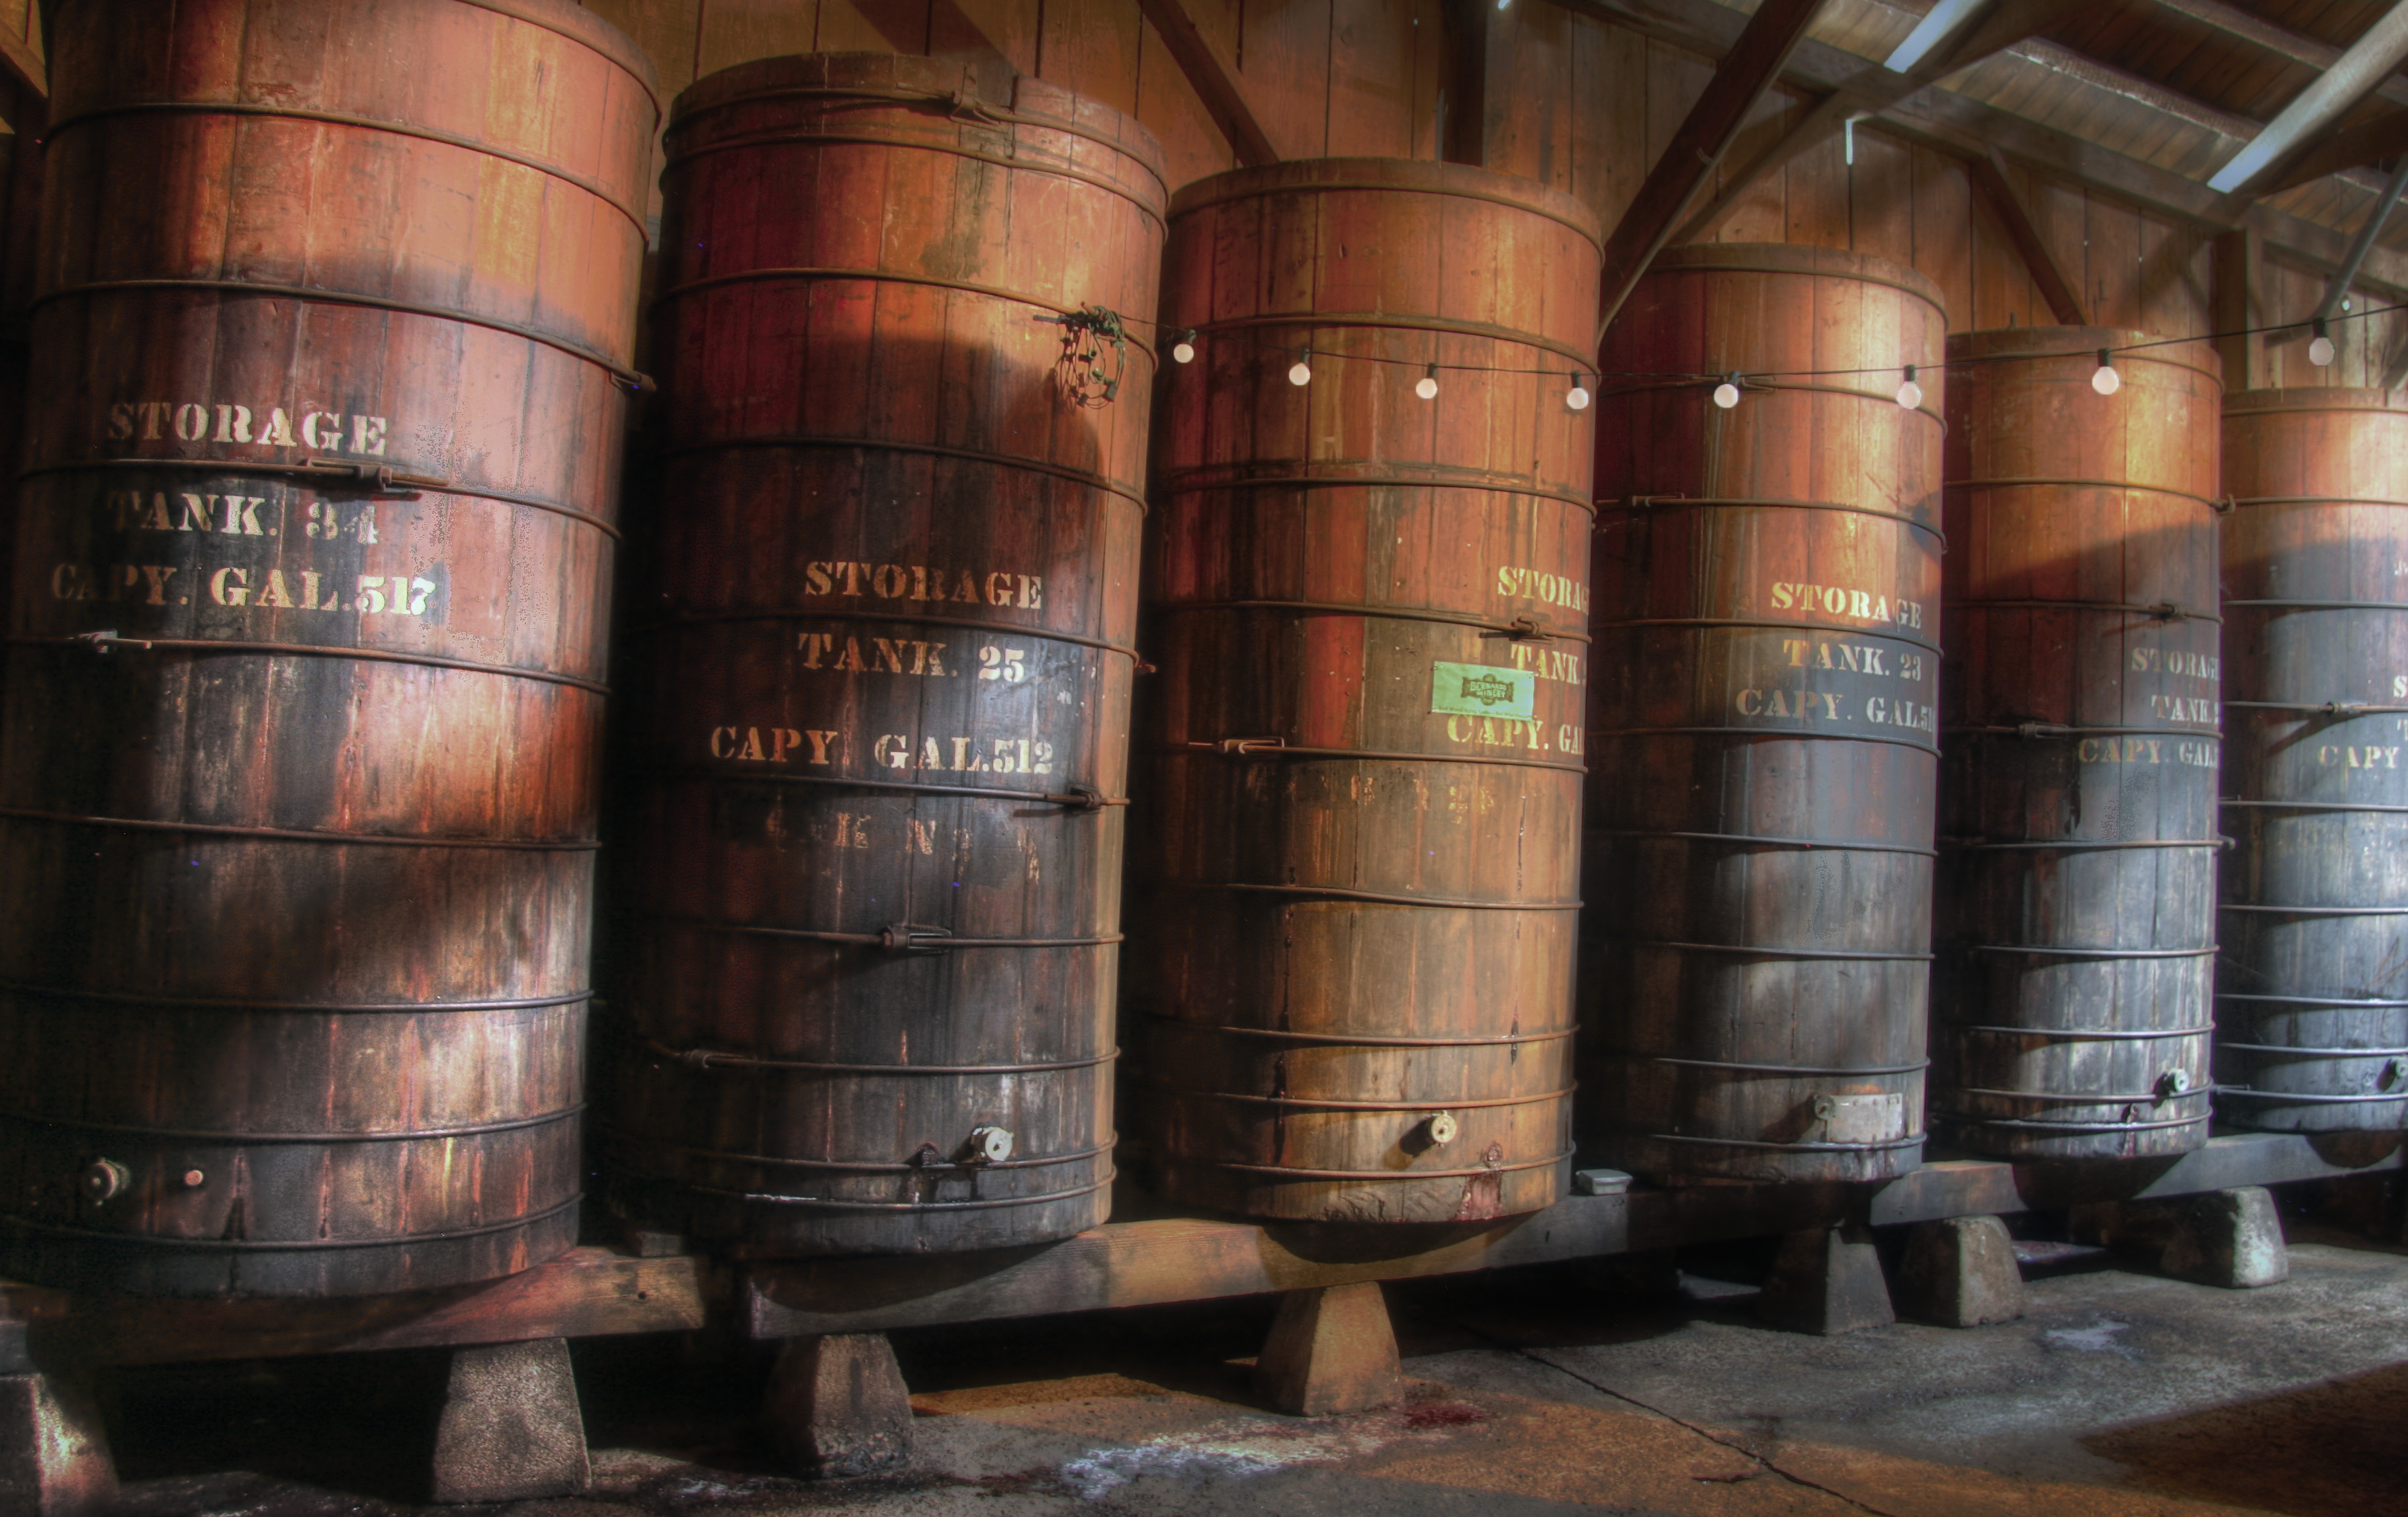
(1861, 1118)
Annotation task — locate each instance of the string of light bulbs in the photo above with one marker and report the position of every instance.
(1583, 384)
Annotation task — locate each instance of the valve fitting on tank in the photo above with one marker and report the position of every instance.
(1438, 1129)
(104, 1180)
(990, 1144)
(2174, 1082)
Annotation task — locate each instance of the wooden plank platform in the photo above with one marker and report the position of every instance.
(586, 1293)
(1187, 1258)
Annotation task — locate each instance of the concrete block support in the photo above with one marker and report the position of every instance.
(2232, 1238)
(837, 1405)
(512, 1429)
(1826, 1281)
(53, 1459)
(1960, 1273)
(1331, 1350)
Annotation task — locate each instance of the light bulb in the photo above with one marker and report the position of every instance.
(2106, 380)
(2320, 348)
(1726, 395)
(1909, 394)
(1300, 372)
(1184, 351)
(1426, 386)
(1577, 398)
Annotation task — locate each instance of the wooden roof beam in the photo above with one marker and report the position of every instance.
(1874, 90)
(2256, 30)
(2353, 76)
(1989, 175)
(2372, 142)
(1688, 162)
(1215, 82)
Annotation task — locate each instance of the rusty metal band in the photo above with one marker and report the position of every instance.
(1763, 734)
(1835, 845)
(918, 942)
(1743, 502)
(332, 480)
(2326, 708)
(2106, 954)
(1512, 632)
(2163, 611)
(336, 118)
(1915, 1068)
(1883, 1145)
(938, 450)
(395, 1240)
(2302, 1097)
(1185, 482)
(2308, 1000)
(1411, 192)
(905, 617)
(1705, 381)
(806, 274)
(2076, 1035)
(1751, 621)
(966, 109)
(2083, 1097)
(1585, 362)
(2336, 1053)
(650, 1146)
(1286, 1172)
(717, 1059)
(1365, 1040)
(307, 295)
(1311, 1104)
(253, 1140)
(2310, 805)
(871, 139)
(1751, 950)
(1341, 893)
(302, 650)
(1088, 799)
(1969, 845)
(306, 1007)
(281, 834)
(2039, 1124)
(1273, 748)
(636, 66)
(1871, 274)
(2318, 911)
(757, 1198)
(1886, 397)
(2050, 729)
(2076, 484)
(2322, 605)
(2308, 500)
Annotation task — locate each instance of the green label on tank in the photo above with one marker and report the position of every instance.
(1479, 690)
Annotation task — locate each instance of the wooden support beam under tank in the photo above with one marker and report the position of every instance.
(1188, 1259)
(1688, 162)
(586, 1293)
(1215, 82)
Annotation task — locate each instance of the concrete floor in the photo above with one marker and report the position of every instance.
(2120, 1394)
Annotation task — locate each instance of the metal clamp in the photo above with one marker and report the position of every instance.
(1242, 747)
(903, 937)
(380, 479)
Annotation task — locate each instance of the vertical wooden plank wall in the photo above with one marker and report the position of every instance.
(1570, 100)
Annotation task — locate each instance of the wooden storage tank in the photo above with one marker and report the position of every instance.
(1762, 725)
(2079, 724)
(887, 652)
(304, 683)
(1361, 805)
(2312, 994)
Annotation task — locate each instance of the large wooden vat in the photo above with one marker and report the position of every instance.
(1363, 753)
(305, 672)
(887, 654)
(2079, 722)
(2312, 994)
(1762, 731)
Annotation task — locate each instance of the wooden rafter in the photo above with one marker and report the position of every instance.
(1990, 177)
(2352, 76)
(2385, 137)
(1215, 82)
(1870, 91)
(1688, 161)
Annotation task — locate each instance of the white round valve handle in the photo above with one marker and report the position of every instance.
(991, 1145)
(1442, 1129)
(103, 1178)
